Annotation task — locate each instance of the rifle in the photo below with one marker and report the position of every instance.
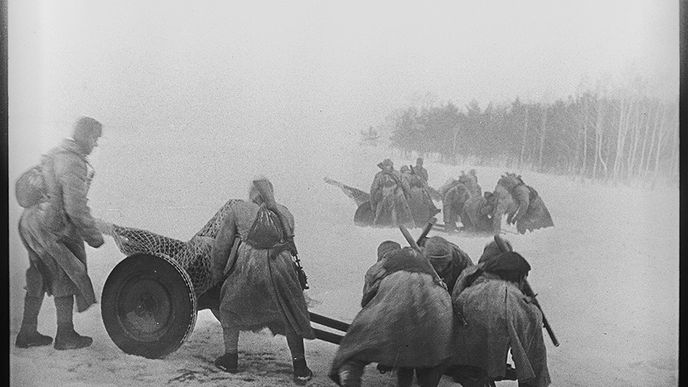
(426, 230)
(415, 246)
(528, 291)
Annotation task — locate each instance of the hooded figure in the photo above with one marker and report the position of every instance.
(53, 232)
(499, 317)
(252, 258)
(447, 258)
(388, 197)
(405, 322)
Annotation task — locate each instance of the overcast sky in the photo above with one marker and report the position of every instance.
(331, 66)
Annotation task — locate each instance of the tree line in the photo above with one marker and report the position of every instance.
(602, 136)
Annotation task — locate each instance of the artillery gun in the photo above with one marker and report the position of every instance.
(151, 298)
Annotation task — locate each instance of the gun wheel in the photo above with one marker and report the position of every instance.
(364, 215)
(148, 305)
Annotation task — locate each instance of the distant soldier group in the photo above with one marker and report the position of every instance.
(405, 198)
(401, 197)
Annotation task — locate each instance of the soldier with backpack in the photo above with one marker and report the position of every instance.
(389, 195)
(53, 227)
(262, 286)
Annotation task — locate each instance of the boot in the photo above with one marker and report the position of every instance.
(28, 334)
(229, 362)
(32, 339)
(302, 374)
(67, 338)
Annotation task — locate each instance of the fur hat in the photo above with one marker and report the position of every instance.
(385, 163)
(439, 251)
(386, 248)
(492, 249)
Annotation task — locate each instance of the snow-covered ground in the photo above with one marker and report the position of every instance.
(606, 274)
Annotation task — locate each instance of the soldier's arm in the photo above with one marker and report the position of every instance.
(222, 246)
(71, 173)
(372, 283)
(405, 186)
(522, 197)
(374, 191)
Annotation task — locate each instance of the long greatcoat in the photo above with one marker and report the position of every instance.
(54, 231)
(262, 289)
(420, 202)
(388, 200)
(532, 213)
(475, 215)
(499, 317)
(406, 318)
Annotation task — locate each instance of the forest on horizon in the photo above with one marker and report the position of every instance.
(617, 135)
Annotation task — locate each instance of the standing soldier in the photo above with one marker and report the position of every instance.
(388, 197)
(418, 169)
(419, 200)
(54, 232)
(252, 258)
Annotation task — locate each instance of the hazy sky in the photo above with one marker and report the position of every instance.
(331, 67)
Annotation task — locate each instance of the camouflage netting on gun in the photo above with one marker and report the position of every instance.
(193, 255)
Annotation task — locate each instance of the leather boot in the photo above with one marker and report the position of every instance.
(302, 374)
(229, 362)
(28, 333)
(67, 338)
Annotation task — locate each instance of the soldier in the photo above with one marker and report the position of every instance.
(422, 172)
(388, 197)
(419, 200)
(477, 213)
(260, 286)
(531, 213)
(53, 232)
(454, 195)
(405, 322)
(473, 186)
(499, 317)
(447, 258)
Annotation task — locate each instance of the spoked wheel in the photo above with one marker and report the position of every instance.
(148, 305)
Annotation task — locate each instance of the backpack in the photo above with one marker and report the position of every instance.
(30, 188)
(266, 231)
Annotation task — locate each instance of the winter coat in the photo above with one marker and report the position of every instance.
(453, 201)
(422, 172)
(532, 214)
(54, 231)
(447, 258)
(388, 200)
(406, 318)
(476, 215)
(419, 200)
(499, 317)
(262, 289)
